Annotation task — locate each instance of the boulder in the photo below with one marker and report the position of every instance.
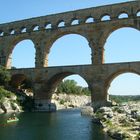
(87, 110)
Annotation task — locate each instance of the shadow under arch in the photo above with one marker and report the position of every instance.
(18, 79)
(19, 44)
(72, 44)
(112, 41)
(114, 75)
(51, 84)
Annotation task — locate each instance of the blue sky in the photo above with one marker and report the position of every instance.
(115, 47)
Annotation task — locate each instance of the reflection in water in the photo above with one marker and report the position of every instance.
(61, 125)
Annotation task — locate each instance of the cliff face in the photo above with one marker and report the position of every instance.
(64, 101)
(9, 105)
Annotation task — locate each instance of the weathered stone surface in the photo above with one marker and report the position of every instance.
(87, 110)
(8, 105)
(122, 124)
(63, 101)
(98, 75)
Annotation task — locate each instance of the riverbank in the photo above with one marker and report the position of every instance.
(120, 121)
(8, 102)
(9, 105)
(64, 101)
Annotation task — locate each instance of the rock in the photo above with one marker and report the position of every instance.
(8, 105)
(15, 107)
(1, 111)
(96, 120)
(87, 110)
(63, 101)
(138, 115)
(104, 109)
(106, 112)
(118, 134)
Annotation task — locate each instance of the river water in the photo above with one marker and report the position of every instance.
(60, 125)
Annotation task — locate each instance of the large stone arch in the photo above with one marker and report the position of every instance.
(49, 85)
(109, 30)
(115, 74)
(54, 37)
(12, 44)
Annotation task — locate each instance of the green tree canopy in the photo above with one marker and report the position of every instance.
(4, 76)
(71, 87)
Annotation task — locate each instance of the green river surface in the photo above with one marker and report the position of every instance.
(60, 125)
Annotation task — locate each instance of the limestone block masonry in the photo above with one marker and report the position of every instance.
(45, 30)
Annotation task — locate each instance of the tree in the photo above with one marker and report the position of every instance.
(71, 87)
(4, 76)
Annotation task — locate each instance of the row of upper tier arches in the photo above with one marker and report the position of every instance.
(79, 17)
(117, 43)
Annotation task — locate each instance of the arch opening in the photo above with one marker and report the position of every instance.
(23, 30)
(61, 24)
(1, 33)
(23, 55)
(12, 31)
(89, 20)
(69, 84)
(36, 28)
(22, 85)
(124, 84)
(75, 22)
(70, 49)
(48, 26)
(122, 46)
(123, 15)
(138, 14)
(105, 18)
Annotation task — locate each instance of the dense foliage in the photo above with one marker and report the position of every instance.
(121, 98)
(5, 93)
(22, 99)
(71, 87)
(4, 76)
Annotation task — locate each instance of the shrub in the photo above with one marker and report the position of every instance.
(71, 87)
(4, 76)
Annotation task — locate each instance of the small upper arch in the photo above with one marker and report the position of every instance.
(138, 13)
(48, 25)
(12, 31)
(35, 27)
(61, 23)
(105, 17)
(89, 19)
(23, 29)
(1, 33)
(122, 15)
(74, 21)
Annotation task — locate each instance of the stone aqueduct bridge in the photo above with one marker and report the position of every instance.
(44, 31)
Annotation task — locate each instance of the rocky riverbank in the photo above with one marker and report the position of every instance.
(9, 104)
(120, 121)
(64, 101)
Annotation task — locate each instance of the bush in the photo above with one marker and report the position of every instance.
(4, 76)
(71, 87)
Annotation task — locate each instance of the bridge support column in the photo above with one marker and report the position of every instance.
(42, 99)
(99, 97)
(41, 58)
(97, 53)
